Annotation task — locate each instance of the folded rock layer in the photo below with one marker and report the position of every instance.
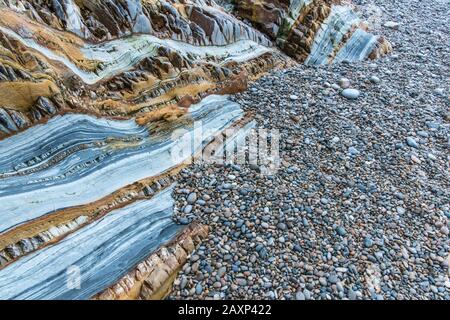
(305, 29)
(99, 101)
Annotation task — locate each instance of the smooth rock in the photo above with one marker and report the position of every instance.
(192, 198)
(341, 231)
(391, 25)
(374, 79)
(351, 93)
(344, 83)
(410, 141)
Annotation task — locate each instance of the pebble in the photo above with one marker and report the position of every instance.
(410, 141)
(374, 79)
(368, 242)
(192, 198)
(300, 296)
(187, 209)
(391, 25)
(352, 295)
(282, 226)
(183, 282)
(221, 272)
(241, 282)
(341, 231)
(183, 220)
(198, 289)
(353, 151)
(350, 93)
(352, 213)
(333, 279)
(440, 92)
(344, 83)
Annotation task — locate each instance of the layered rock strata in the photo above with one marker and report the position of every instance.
(29, 237)
(118, 58)
(86, 159)
(99, 254)
(51, 69)
(152, 278)
(314, 31)
(78, 160)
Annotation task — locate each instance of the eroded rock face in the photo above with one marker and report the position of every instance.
(198, 22)
(102, 183)
(122, 57)
(118, 58)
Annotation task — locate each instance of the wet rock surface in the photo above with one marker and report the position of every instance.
(359, 207)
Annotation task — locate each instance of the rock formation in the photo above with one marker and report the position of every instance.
(151, 279)
(314, 31)
(91, 94)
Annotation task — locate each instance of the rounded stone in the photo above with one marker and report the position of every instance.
(198, 289)
(412, 142)
(350, 93)
(192, 197)
(300, 296)
(374, 79)
(344, 83)
(341, 231)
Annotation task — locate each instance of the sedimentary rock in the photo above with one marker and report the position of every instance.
(102, 57)
(152, 278)
(57, 56)
(109, 247)
(77, 159)
(313, 31)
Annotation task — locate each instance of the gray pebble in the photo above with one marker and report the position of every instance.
(350, 93)
(410, 141)
(192, 198)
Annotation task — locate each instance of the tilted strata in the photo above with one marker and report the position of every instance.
(101, 252)
(199, 22)
(24, 248)
(102, 156)
(119, 58)
(152, 278)
(109, 164)
(121, 75)
(93, 97)
(54, 226)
